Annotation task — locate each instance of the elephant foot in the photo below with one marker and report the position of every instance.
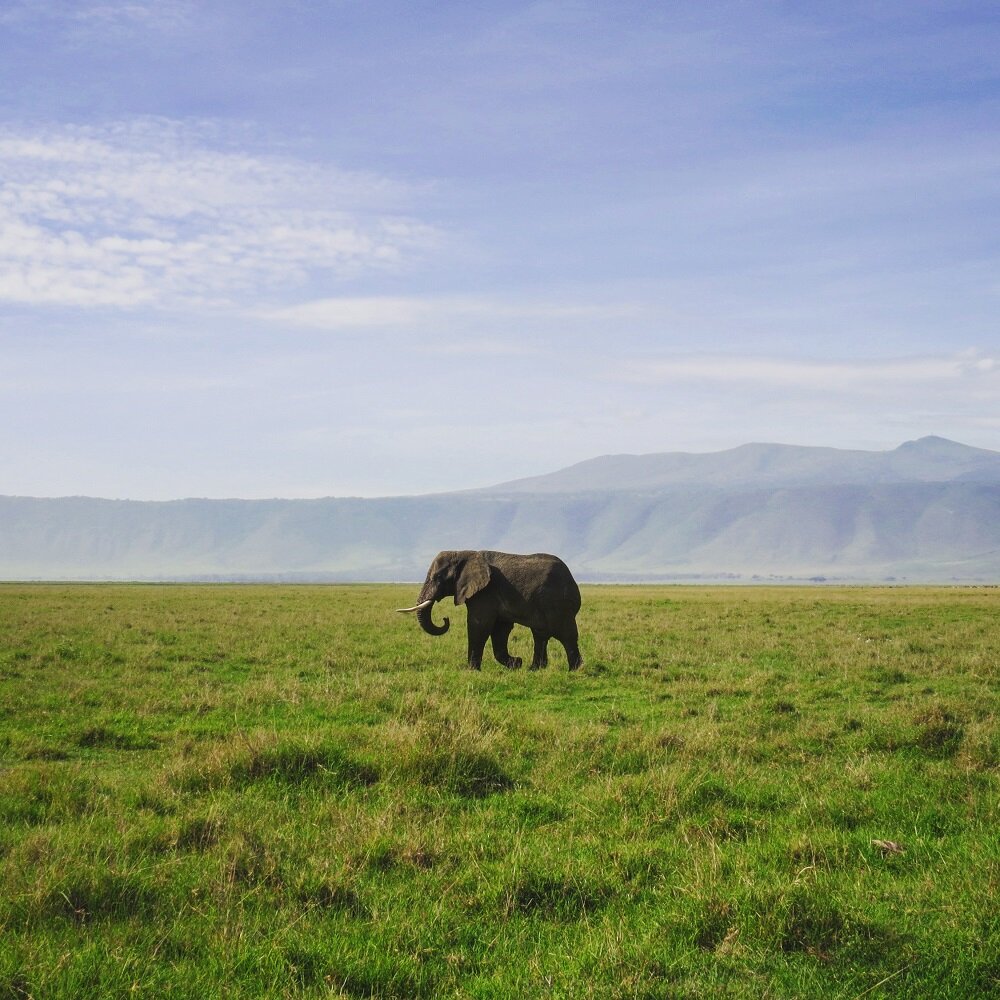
(513, 663)
(538, 666)
(475, 666)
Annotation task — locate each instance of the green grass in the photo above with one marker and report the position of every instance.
(291, 791)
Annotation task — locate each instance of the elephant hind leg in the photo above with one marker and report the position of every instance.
(541, 657)
(568, 637)
(501, 632)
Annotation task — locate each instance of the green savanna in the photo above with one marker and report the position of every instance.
(224, 791)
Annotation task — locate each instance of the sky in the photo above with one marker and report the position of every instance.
(366, 248)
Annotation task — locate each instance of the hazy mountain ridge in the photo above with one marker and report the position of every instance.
(931, 459)
(752, 517)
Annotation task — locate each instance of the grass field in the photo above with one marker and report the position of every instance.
(292, 791)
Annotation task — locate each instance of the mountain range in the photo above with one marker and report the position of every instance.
(927, 511)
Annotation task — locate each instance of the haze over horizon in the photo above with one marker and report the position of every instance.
(758, 462)
(927, 511)
(345, 249)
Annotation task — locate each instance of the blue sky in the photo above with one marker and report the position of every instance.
(370, 248)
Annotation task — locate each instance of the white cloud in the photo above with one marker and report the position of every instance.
(154, 13)
(398, 311)
(83, 19)
(159, 214)
(357, 312)
(818, 375)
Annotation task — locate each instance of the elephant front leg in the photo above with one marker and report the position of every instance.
(501, 633)
(541, 657)
(478, 634)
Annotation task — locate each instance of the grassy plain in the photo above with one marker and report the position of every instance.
(291, 791)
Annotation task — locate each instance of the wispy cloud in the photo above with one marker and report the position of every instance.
(158, 15)
(155, 213)
(814, 375)
(406, 311)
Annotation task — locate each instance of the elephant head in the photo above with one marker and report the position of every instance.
(452, 574)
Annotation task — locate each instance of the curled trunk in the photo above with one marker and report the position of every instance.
(427, 624)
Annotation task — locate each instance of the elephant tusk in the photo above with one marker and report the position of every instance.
(416, 607)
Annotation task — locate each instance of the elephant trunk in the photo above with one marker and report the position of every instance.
(423, 612)
(427, 623)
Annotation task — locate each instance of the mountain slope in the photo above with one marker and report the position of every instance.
(914, 531)
(931, 459)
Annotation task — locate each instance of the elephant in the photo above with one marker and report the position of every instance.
(500, 590)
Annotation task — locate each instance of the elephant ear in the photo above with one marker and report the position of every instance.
(474, 576)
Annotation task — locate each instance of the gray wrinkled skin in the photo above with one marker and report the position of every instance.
(502, 590)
